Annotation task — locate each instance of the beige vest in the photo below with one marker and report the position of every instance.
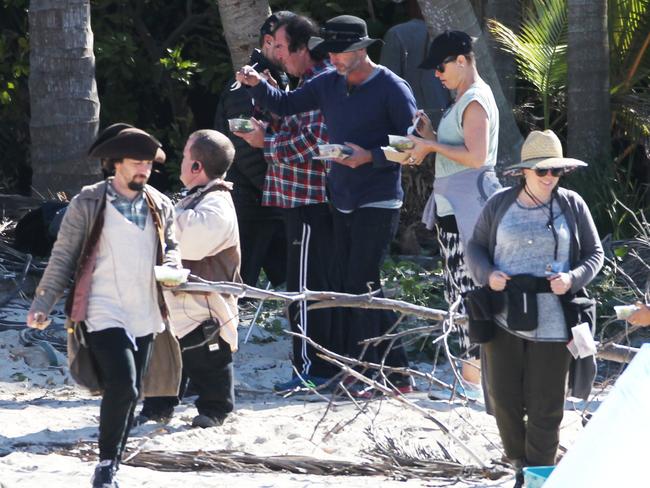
(123, 290)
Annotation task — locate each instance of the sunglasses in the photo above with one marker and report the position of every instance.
(554, 172)
(441, 67)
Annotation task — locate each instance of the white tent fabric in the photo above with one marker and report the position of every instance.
(614, 448)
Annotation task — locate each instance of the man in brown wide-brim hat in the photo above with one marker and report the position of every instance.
(111, 237)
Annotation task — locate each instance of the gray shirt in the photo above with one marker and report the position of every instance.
(525, 245)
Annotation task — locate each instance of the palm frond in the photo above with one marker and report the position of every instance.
(629, 26)
(540, 49)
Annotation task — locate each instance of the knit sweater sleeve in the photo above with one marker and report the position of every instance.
(477, 254)
(401, 108)
(591, 256)
(302, 99)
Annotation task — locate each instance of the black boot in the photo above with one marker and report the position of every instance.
(104, 476)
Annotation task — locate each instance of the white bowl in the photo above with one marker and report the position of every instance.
(240, 125)
(171, 275)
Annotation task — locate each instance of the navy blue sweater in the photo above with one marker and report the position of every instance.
(364, 116)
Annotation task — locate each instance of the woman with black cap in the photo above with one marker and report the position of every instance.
(538, 242)
(466, 153)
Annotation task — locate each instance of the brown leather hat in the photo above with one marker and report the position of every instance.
(122, 140)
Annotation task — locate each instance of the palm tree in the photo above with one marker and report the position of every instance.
(441, 15)
(540, 50)
(241, 21)
(588, 82)
(63, 95)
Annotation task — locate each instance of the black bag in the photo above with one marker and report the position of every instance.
(481, 305)
(579, 308)
(81, 361)
(522, 293)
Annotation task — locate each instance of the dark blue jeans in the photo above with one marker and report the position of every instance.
(361, 243)
(120, 368)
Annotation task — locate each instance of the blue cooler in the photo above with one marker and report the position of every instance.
(535, 476)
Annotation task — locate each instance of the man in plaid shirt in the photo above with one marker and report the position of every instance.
(296, 182)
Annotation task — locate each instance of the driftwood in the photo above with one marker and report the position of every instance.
(241, 462)
(609, 351)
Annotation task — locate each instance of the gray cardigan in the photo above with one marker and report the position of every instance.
(585, 253)
(585, 259)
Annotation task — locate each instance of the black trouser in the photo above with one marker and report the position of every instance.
(527, 379)
(361, 242)
(120, 367)
(211, 374)
(309, 265)
(262, 239)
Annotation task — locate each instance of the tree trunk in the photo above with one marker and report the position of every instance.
(63, 95)
(505, 12)
(241, 21)
(441, 15)
(588, 82)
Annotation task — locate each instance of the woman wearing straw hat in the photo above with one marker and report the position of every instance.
(466, 153)
(545, 233)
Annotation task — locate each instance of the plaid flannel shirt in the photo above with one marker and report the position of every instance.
(293, 178)
(135, 211)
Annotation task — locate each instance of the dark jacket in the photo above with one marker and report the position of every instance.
(249, 166)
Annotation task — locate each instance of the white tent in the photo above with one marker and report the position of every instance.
(614, 448)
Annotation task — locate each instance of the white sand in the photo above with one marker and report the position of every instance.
(41, 413)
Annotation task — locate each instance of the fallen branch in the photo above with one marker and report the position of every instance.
(325, 299)
(241, 462)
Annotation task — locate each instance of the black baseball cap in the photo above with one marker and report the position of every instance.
(449, 43)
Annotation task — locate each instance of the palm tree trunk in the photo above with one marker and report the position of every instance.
(505, 12)
(588, 81)
(443, 15)
(241, 21)
(63, 95)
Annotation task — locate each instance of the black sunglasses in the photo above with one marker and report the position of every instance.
(554, 172)
(441, 67)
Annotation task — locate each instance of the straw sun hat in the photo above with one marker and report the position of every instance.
(542, 150)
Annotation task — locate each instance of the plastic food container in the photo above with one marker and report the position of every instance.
(400, 143)
(328, 151)
(535, 476)
(240, 125)
(624, 311)
(171, 275)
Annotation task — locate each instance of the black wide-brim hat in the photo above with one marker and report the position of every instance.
(342, 34)
(119, 141)
(449, 43)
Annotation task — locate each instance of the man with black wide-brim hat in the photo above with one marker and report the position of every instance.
(111, 237)
(362, 103)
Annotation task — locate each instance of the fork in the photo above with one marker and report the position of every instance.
(416, 121)
(237, 85)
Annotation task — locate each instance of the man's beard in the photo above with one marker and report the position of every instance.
(136, 186)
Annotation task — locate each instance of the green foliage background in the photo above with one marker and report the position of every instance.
(160, 65)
